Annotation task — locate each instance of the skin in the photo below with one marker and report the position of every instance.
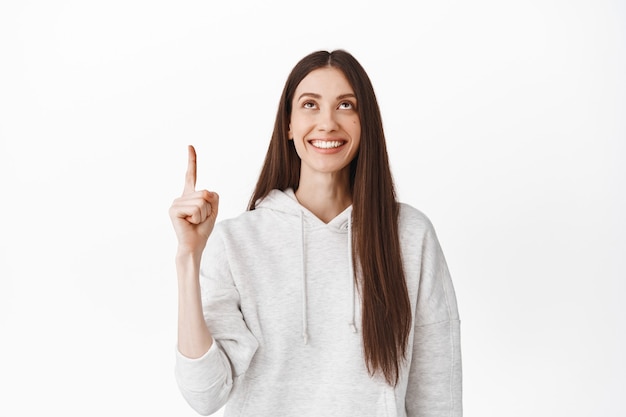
(324, 115)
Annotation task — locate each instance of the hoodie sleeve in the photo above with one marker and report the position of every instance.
(435, 382)
(207, 382)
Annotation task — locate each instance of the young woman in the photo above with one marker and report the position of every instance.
(327, 297)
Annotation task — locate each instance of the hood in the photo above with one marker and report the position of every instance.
(286, 202)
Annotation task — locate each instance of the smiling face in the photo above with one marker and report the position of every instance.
(325, 125)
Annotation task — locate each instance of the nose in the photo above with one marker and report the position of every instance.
(327, 120)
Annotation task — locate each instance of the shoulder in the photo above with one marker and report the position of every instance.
(416, 231)
(237, 224)
(232, 234)
(411, 218)
(261, 223)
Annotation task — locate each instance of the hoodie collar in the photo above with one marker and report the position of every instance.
(286, 202)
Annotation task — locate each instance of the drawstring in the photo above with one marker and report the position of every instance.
(305, 333)
(351, 275)
(352, 324)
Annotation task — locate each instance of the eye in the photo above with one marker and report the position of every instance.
(346, 105)
(308, 105)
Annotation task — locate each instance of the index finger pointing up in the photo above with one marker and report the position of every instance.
(190, 177)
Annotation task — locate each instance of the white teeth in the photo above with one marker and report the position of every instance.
(326, 144)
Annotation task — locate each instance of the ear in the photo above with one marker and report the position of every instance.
(289, 134)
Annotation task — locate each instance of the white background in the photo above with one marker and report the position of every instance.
(506, 125)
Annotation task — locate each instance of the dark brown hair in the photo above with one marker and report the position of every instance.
(379, 274)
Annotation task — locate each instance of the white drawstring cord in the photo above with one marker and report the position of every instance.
(352, 324)
(305, 333)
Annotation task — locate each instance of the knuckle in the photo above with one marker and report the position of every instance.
(196, 211)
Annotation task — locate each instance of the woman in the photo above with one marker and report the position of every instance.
(327, 296)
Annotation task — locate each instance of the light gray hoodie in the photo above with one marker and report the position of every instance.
(279, 299)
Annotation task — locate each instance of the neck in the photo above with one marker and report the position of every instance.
(325, 197)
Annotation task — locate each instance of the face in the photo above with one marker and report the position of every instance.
(325, 125)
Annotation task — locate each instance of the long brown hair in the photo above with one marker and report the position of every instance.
(386, 308)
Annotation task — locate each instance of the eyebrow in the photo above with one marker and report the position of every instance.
(318, 96)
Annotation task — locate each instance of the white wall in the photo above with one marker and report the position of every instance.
(505, 124)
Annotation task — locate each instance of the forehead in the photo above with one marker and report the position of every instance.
(327, 80)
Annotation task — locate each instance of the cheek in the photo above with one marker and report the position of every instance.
(356, 125)
(295, 124)
(296, 145)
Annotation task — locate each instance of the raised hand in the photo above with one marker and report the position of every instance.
(194, 213)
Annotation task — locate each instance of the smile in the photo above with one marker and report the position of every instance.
(327, 144)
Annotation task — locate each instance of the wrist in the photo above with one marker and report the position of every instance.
(187, 260)
(184, 253)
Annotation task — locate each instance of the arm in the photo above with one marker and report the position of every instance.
(194, 338)
(214, 344)
(207, 382)
(193, 216)
(435, 381)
